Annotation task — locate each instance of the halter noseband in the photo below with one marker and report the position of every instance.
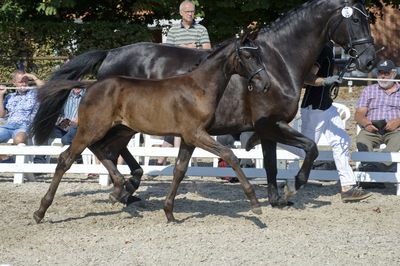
(253, 74)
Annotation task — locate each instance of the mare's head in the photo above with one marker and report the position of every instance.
(350, 29)
(247, 61)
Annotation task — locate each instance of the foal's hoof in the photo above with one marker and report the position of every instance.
(132, 184)
(122, 198)
(132, 199)
(256, 210)
(37, 217)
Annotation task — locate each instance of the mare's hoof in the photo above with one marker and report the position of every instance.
(280, 204)
(132, 199)
(37, 217)
(257, 210)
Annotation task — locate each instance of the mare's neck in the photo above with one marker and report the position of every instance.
(296, 40)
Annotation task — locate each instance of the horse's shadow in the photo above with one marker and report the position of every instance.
(234, 205)
(231, 203)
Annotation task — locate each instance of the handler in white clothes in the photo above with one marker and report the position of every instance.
(319, 116)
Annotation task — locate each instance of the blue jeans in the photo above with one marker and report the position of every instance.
(10, 130)
(66, 139)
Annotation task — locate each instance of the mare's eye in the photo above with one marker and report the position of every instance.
(356, 20)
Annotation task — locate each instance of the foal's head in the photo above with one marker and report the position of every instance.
(247, 62)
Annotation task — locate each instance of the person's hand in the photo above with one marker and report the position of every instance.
(3, 90)
(331, 80)
(74, 121)
(371, 128)
(392, 125)
(192, 45)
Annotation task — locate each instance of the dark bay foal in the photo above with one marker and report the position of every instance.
(182, 106)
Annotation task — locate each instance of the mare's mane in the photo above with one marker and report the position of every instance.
(289, 18)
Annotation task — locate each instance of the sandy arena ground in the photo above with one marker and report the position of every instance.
(215, 226)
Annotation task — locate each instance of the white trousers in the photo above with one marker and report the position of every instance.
(327, 122)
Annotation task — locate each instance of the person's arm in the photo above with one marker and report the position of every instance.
(206, 46)
(361, 119)
(3, 110)
(313, 80)
(37, 81)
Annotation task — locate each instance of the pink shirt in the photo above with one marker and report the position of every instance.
(380, 104)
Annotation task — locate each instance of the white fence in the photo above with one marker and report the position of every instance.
(24, 166)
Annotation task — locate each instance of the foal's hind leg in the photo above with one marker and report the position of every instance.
(65, 161)
(205, 141)
(182, 162)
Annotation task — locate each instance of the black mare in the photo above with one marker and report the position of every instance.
(289, 47)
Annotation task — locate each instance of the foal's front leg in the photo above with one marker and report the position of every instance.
(206, 142)
(65, 160)
(181, 165)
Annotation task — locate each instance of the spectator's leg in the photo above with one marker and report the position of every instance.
(244, 137)
(226, 140)
(56, 133)
(392, 141)
(168, 143)
(366, 141)
(5, 135)
(69, 135)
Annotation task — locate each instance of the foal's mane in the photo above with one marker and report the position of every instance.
(212, 52)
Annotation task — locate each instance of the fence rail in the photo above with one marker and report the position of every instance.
(23, 166)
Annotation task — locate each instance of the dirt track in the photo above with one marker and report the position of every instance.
(215, 228)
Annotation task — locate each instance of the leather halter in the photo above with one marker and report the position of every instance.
(253, 74)
(350, 46)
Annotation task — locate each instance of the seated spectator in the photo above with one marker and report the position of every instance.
(378, 115)
(19, 107)
(66, 125)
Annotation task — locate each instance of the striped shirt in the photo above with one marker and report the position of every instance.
(71, 105)
(196, 33)
(380, 104)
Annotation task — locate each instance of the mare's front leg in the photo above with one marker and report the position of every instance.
(269, 154)
(181, 165)
(65, 160)
(206, 142)
(281, 132)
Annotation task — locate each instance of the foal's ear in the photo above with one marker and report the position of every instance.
(249, 34)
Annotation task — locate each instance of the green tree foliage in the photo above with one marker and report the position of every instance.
(40, 27)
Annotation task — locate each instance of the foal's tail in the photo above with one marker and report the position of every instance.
(51, 97)
(80, 65)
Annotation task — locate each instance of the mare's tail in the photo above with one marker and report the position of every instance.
(51, 97)
(80, 65)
